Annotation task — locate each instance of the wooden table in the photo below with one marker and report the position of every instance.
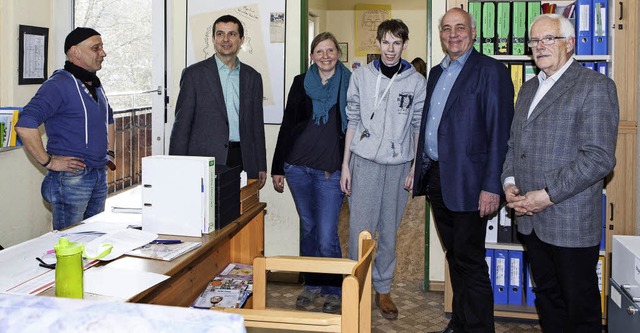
(240, 242)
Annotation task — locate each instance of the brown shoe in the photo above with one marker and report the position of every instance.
(386, 306)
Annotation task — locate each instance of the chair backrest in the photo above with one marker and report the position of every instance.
(356, 293)
(356, 306)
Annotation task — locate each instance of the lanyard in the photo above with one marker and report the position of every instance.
(377, 102)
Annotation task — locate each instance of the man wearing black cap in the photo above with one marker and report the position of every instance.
(219, 108)
(79, 124)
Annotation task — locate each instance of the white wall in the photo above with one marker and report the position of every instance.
(23, 213)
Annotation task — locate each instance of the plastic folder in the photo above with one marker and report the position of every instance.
(503, 28)
(604, 220)
(501, 263)
(601, 66)
(530, 296)
(475, 9)
(489, 259)
(533, 10)
(488, 28)
(517, 77)
(600, 20)
(518, 27)
(515, 277)
(584, 26)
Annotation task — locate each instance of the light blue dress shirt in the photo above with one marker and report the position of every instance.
(451, 70)
(230, 83)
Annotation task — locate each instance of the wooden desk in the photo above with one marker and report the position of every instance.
(240, 241)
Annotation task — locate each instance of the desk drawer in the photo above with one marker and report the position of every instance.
(624, 313)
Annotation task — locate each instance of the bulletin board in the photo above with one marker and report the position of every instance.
(368, 18)
(263, 48)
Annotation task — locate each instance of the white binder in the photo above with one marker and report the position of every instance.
(178, 195)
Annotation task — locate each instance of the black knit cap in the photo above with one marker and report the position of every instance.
(78, 35)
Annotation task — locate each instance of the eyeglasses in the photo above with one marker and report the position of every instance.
(545, 41)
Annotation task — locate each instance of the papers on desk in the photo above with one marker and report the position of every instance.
(122, 241)
(119, 283)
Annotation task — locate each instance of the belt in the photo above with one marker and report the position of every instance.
(234, 144)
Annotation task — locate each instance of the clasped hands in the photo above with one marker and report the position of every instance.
(530, 203)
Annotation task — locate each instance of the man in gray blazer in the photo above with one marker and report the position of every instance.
(219, 108)
(562, 145)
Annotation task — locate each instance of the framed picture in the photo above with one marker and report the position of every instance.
(32, 64)
(344, 50)
(372, 56)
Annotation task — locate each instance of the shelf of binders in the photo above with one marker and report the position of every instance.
(514, 247)
(606, 58)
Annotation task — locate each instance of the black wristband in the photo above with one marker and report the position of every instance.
(47, 162)
(111, 153)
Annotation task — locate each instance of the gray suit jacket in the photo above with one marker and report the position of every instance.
(567, 145)
(201, 126)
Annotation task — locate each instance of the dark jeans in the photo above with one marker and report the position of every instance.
(463, 236)
(567, 295)
(74, 197)
(318, 201)
(234, 155)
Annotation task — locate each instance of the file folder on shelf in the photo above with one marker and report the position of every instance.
(604, 221)
(505, 226)
(601, 66)
(492, 229)
(488, 28)
(489, 259)
(600, 269)
(517, 77)
(515, 277)
(584, 27)
(529, 71)
(518, 27)
(600, 24)
(501, 263)
(475, 9)
(503, 28)
(530, 296)
(533, 10)
(178, 195)
(588, 64)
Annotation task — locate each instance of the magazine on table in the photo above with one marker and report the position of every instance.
(165, 252)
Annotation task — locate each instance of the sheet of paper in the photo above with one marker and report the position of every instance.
(122, 241)
(119, 283)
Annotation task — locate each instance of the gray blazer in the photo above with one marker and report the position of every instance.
(568, 146)
(201, 126)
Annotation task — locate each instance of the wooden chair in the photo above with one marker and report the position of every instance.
(356, 293)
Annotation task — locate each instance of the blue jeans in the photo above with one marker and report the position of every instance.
(75, 197)
(318, 200)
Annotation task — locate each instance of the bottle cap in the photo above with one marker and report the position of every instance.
(66, 248)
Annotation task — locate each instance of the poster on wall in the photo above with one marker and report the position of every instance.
(368, 18)
(263, 47)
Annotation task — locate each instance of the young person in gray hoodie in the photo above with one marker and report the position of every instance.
(384, 109)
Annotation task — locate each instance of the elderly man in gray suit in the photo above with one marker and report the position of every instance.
(219, 108)
(562, 145)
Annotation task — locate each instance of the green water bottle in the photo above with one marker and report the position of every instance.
(69, 272)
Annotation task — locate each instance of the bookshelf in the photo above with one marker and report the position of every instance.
(621, 186)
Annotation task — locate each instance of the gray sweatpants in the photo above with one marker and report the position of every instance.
(376, 204)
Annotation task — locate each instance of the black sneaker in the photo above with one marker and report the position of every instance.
(332, 304)
(306, 298)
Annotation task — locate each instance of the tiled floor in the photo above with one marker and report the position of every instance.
(419, 311)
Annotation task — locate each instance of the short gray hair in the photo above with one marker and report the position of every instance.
(566, 27)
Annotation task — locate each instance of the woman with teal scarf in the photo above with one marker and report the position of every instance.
(309, 156)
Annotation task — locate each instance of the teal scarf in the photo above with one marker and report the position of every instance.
(323, 97)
